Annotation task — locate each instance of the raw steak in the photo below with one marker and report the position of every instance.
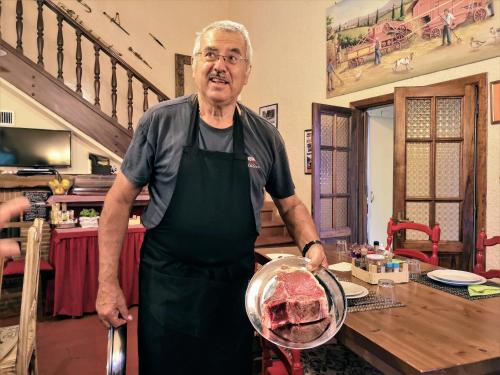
(304, 332)
(298, 298)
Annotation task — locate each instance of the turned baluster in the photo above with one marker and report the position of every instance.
(19, 25)
(60, 43)
(78, 61)
(97, 73)
(39, 28)
(113, 88)
(130, 96)
(145, 105)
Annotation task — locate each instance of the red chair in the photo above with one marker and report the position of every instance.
(434, 233)
(481, 243)
(283, 362)
(275, 359)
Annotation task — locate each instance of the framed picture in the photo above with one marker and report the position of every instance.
(495, 102)
(308, 151)
(270, 113)
(184, 82)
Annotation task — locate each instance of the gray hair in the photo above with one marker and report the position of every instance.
(225, 25)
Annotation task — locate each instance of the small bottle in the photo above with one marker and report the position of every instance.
(396, 267)
(389, 267)
(364, 263)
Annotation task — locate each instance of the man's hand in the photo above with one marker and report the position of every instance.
(9, 209)
(110, 305)
(318, 258)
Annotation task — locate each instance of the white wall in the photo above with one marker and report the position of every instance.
(380, 172)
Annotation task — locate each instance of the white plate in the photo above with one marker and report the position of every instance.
(364, 294)
(455, 276)
(482, 281)
(352, 290)
(274, 256)
(340, 267)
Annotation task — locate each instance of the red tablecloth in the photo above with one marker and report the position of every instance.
(74, 256)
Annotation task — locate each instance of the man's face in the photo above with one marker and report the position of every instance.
(220, 82)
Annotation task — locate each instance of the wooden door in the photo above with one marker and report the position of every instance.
(334, 174)
(434, 166)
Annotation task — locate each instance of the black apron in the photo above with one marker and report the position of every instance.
(195, 266)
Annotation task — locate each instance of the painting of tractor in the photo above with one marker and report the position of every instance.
(374, 42)
(430, 14)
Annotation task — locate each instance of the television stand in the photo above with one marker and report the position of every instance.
(34, 171)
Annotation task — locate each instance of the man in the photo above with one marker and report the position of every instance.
(448, 19)
(329, 71)
(378, 51)
(9, 209)
(207, 160)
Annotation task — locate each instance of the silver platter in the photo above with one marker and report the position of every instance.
(262, 285)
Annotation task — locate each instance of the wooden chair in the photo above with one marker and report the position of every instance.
(275, 359)
(14, 266)
(434, 233)
(18, 343)
(480, 266)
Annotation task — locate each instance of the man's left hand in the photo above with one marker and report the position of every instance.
(318, 258)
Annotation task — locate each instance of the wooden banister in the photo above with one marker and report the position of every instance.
(94, 40)
(30, 76)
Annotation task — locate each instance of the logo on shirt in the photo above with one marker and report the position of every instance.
(252, 163)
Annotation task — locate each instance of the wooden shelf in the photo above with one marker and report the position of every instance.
(10, 181)
(78, 200)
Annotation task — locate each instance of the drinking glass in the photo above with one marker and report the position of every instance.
(414, 268)
(341, 247)
(386, 290)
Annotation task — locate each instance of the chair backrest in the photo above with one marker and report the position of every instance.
(481, 244)
(434, 234)
(29, 299)
(289, 358)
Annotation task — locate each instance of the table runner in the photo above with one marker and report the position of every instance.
(460, 291)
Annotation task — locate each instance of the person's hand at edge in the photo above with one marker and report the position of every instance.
(10, 209)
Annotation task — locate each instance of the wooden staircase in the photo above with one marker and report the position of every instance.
(62, 97)
(273, 231)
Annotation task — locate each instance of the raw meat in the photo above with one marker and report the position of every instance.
(298, 298)
(303, 333)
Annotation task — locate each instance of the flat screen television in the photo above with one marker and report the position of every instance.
(23, 147)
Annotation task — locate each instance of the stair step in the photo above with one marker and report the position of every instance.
(273, 240)
(269, 206)
(273, 231)
(274, 222)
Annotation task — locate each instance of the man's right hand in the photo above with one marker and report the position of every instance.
(111, 306)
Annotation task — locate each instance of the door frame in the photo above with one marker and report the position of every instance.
(360, 107)
(317, 110)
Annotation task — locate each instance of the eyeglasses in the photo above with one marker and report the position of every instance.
(210, 56)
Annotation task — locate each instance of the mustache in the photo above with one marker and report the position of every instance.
(218, 74)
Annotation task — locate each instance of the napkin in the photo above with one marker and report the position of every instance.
(483, 290)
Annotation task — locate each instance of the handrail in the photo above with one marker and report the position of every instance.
(161, 96)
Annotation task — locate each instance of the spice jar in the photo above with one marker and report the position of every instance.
(376, 260)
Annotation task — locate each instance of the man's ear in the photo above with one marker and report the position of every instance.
(247, 73)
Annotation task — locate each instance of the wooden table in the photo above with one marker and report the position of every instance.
(435, 332)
